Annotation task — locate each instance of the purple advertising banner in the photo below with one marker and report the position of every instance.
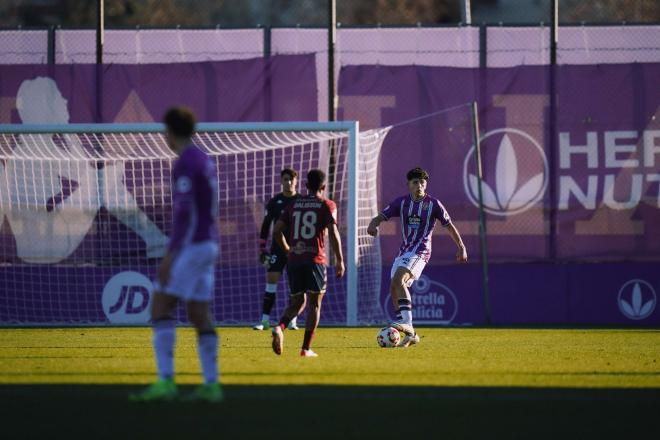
(80, 243)
(602, 164)
(624, 294)
(279, 88)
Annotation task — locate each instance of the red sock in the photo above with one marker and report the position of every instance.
(284, 322)
(307, 341)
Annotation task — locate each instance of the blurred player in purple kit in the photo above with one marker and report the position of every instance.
(187, 272)
(417, 213)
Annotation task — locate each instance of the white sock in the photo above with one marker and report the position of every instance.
(294, 321)
(207, 348)
(407, 316)
(164, 336)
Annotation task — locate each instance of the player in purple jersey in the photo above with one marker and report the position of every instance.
(187, 270)
(418, 213)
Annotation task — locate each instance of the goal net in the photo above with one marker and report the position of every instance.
(85, 212)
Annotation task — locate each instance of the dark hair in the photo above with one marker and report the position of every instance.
(315, 180)
(180, 121)
(291, 172)
(417, 173)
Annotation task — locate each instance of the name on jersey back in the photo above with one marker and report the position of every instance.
(308, 204)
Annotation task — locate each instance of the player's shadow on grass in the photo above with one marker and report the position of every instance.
(338, 412)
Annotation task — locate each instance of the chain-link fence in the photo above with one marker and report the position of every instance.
(24, 46)
(463, 46)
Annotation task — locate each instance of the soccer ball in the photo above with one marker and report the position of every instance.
(388, 337)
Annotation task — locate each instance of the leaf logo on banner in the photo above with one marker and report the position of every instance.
(507, 197)
(637, 302)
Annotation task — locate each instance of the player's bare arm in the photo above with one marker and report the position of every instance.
(278, 235)
(375, 222)
(461, 252)
(335, 242)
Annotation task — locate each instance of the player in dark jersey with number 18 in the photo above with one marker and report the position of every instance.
(305, 221)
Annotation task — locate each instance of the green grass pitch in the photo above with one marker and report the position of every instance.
(458, 383)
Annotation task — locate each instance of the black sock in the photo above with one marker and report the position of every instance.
(269, 302)
(405, 304)
(307, 340)
(405, 308)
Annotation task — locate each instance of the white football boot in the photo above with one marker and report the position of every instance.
(407, 341)
(293, 325)
(404, 328)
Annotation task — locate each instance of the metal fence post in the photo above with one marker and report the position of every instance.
(552, 131)
(268, 90)
(476, 138)
(483, 45)
(51, 45)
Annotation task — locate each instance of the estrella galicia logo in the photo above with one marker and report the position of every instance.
(433, 302)
(126, 298)
(637, 299)
(521, 173)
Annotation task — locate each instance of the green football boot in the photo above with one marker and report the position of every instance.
(209, 392)
(163, 390)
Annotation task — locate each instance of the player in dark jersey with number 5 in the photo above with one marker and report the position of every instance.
(305, 221)
(275, 260)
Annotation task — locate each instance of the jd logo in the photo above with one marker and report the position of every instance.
(637, 299)
(521, 172)
(126, 298)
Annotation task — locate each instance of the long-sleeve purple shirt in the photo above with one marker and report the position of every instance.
(194, 199)
(418, 219)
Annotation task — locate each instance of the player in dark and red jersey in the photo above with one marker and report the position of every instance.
(417, 213)
(305, 221)
(275, 260)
